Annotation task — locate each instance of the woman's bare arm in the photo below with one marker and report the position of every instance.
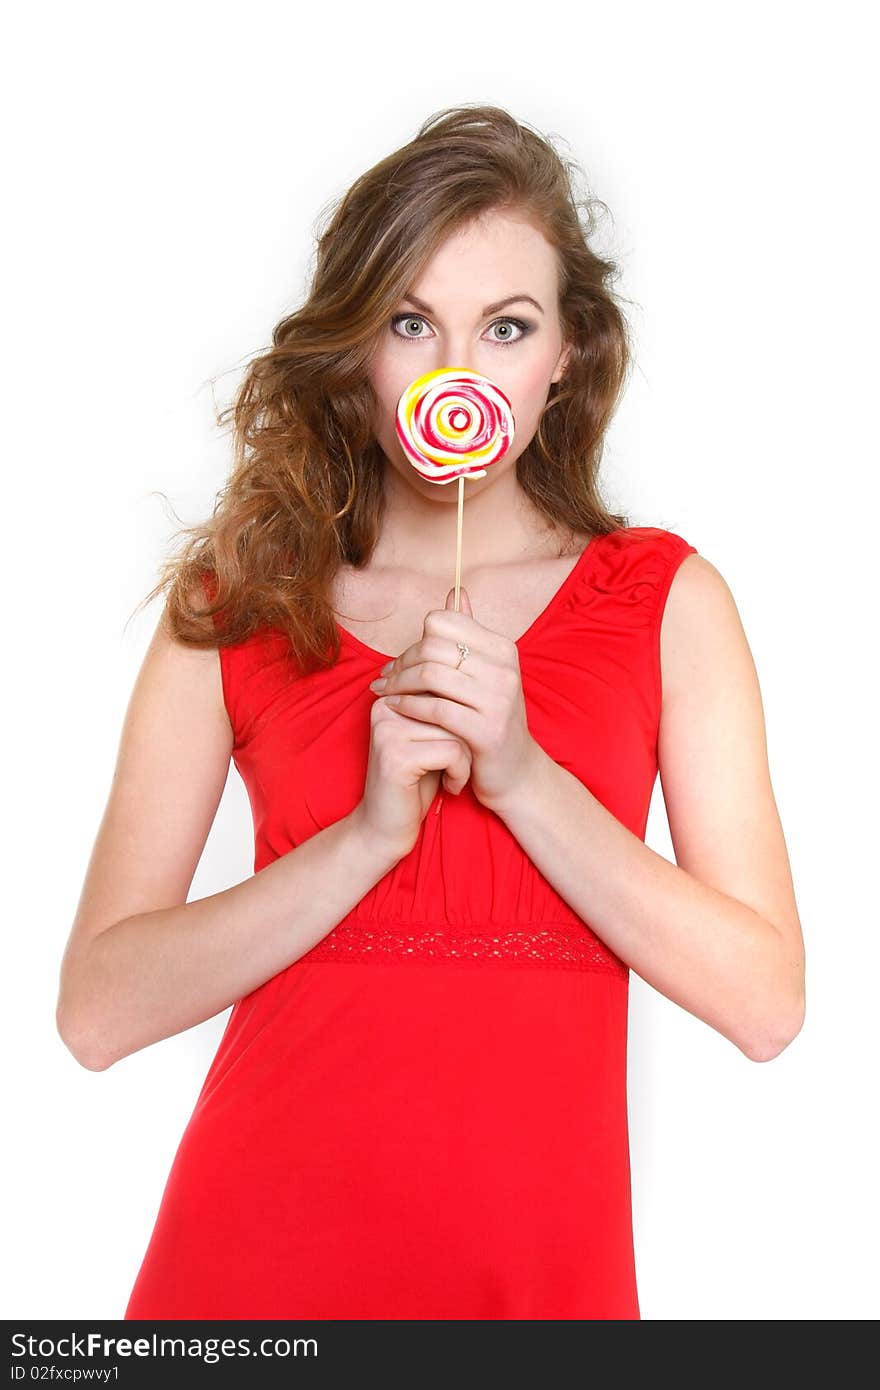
(718, 932)
(141, 963)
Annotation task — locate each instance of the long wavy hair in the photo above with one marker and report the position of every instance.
(305, 493)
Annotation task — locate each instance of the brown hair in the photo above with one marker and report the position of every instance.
(306, 490)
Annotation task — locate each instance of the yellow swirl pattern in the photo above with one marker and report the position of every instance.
(454, 423)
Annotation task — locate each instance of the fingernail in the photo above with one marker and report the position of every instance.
(387, 667)
(392, 699)
(379, 683)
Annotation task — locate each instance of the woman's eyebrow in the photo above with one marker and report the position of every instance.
(489, 309)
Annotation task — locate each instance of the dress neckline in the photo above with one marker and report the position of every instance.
(543, 617)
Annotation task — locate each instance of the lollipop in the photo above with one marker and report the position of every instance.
(454, 423)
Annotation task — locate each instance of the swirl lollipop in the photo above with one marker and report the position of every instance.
(454, 423)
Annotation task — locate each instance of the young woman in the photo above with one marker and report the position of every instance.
(418, 1106)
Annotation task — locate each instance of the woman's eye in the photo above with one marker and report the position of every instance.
(508, 324)
(408, 321)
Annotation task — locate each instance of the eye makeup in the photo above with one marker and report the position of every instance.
(524, 327)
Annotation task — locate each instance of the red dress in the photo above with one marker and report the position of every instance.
(425, 1116)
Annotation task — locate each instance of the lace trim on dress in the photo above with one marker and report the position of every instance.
(557, 946)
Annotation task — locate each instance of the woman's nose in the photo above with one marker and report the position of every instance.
(456, 354)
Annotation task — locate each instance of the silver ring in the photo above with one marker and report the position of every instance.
(465, 653)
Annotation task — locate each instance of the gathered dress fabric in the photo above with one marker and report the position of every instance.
(425, 1115)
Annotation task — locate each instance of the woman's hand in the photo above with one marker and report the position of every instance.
(481, 702)
(406, 759)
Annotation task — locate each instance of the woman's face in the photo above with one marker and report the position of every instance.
(454, 316)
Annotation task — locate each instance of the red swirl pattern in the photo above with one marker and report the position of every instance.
(454, 423)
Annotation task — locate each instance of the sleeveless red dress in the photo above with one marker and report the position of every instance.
(425, 1116)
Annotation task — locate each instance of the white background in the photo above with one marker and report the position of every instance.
(165, 171)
